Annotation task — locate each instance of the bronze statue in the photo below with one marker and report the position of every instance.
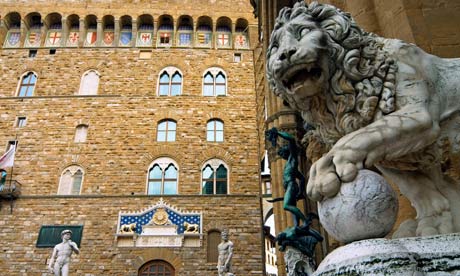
(300, 236)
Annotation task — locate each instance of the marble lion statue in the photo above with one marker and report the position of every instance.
(191, 228)
(372, 103)
(128, 228)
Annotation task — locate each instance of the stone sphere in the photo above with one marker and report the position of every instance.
(365, 208)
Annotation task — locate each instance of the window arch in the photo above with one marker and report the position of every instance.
(214, 176)
(185, 31)
(73, 26)
(91, 30)
(89, 83)
(71, 181)
(204, 32)
(81, 131)
(162, 177)
(166, 131)
(165, 31)
(27, 84)
(214, 82)
(53, 24)
(13, 24)
(170, 82)
(214, 237)
(144, 30)
(126, 30)
(215, 131)
(224, 32)
(33, 22)
(157, 268)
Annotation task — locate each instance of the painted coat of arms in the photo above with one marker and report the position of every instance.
(54, 38)
(33, 39)
(91, 37)
(125, 38)
(223, 40)
(108, 38)
(144, 39)
(13, 39)
(73, 39)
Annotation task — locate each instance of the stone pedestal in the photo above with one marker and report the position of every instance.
(433, 255)
(298, 264)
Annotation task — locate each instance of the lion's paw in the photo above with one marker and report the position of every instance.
(323, 180)
(435, 225)
(327, 174)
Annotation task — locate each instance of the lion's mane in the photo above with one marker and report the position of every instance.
(362, 75)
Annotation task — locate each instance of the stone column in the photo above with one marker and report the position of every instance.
(43, 33)
(116, 31)
(24, 29)
(65, 31)
(100, 33)
(3, 32)
(134, 33)
(82, 30)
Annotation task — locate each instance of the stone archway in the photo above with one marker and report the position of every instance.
(157, 268)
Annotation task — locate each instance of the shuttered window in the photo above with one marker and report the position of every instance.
(50, 235)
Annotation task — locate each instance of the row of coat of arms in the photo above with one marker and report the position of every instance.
(144, 39)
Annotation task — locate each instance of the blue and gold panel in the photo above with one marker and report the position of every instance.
(160, 214)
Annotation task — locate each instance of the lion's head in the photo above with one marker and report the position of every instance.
(328, 68)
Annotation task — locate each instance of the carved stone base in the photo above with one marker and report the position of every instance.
(432, 255)
(298, 264)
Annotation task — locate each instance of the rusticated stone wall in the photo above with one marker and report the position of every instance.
(99, 254)
(123, 118)
(121, 143)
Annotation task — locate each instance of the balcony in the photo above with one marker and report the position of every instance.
(10, 189)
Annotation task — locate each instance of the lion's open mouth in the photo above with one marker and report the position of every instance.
(297, 76)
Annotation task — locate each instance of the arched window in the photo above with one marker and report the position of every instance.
(162, 177)
(80, 133)
(12, 22)
(33, 21)
(144, 30)
(157, 268)
(89, 83)
(27, 85)
(215, 131)
(214, 177)
(91, 30)
(53, 23)
(71, 181)
(126, 30)
(213, 241)
(185, 31)
(165, 31)
(73, 25)
(224, 32)
(241, 34)
(204, 32)
(214, 82)
(166, 131)
(170, 82)
(108, 29)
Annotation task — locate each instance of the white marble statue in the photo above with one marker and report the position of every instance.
(224, 261)
(372, 102)
(61, 255)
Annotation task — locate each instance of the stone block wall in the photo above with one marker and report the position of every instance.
(121, 142)
(99, 253)
(123, 118)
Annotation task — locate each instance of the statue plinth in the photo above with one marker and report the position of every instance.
(430, 255)
(297, 263)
